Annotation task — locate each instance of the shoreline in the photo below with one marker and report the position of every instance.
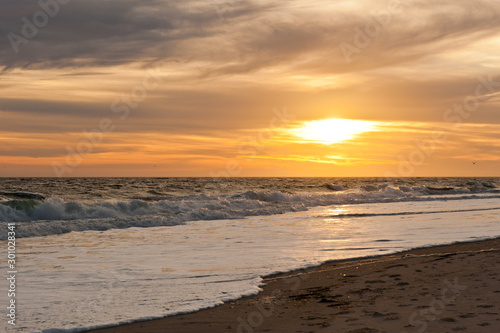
(433, 289)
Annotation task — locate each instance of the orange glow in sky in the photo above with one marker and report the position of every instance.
(252, 88)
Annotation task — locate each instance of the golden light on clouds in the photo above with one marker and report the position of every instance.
(330, 131)
(218, 74)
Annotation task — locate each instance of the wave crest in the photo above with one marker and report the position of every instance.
(55, 215)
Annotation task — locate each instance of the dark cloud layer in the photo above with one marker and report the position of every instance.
(238, 37)
(107, 33)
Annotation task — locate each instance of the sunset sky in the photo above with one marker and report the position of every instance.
(249, 88)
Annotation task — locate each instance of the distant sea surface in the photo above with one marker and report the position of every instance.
(95, 252)
(60, 205)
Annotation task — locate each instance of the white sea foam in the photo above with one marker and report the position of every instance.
(57, 216)
(94, 279)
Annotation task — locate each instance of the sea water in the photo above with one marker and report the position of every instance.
(99, 252)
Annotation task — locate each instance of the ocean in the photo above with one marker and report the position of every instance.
(95, 252)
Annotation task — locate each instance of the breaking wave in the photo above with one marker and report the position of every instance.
(41, 217)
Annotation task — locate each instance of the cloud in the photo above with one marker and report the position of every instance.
(225, 65)
(249, 36)
(107, 33)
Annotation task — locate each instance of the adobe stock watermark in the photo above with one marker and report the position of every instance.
(11, 273)
(252, 145)
(31, 27)
(220, 11)
(255, 319)
(421, 318)
(454, 115)
(122, 107)
(364, 36)
(114, 284)
(225, 8)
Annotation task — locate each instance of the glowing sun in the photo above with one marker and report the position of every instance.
(330, 131)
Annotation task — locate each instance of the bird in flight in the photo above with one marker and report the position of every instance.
(474, 163)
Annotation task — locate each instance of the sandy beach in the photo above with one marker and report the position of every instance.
(453, 288)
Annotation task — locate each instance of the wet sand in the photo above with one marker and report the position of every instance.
(454, 288)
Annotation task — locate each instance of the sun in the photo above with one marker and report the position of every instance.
(330, 131)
